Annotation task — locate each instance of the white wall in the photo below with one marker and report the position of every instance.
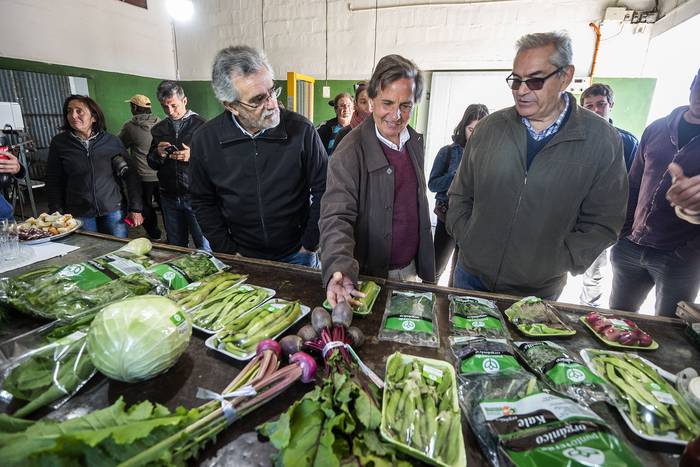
(674, 58)
(99, 34)
(437, 37)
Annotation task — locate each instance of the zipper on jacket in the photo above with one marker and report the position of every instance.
(510, 231)
(260, 202)
(92, 178)
(653, 196)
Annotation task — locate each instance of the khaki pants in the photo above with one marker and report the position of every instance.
(407, 274)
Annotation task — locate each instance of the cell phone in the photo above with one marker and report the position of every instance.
(128, 221)
(171, 149)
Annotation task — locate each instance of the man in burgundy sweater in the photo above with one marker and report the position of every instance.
(374, 213)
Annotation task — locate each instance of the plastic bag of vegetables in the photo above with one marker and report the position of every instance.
(649, 404)
(565, 373)
(186, 269)
(473, 316)
(38, 291)
(481, 355)
(410, 318)
(138, 338)
(518, 422)
(44, 372)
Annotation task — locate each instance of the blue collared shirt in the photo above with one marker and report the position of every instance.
(551, 129)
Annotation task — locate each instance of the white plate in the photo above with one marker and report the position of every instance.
(305, 310)
(670, 438)
(270, 293)
(53, 237)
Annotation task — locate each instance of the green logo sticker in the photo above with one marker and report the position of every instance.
(408, 323)
(84, 275)
(487, 364)
(173, 278)
(178, 318)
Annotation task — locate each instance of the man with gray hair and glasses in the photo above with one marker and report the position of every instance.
(542, 187)
(258, 172)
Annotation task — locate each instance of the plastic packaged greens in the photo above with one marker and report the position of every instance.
(472, 316)
(40, 372)
(518, 422)
(409, 318)
(37, 292)
(650, 405)
(536, 318)
(420, 411)
(480, 355)
(183, 270)
(565, 373)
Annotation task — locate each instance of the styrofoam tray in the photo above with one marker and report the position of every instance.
(612, 392)
(305, 310)
(270, 293)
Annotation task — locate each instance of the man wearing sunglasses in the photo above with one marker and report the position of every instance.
(542, 186)
(258, 172)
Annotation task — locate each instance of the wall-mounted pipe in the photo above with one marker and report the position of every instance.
(429, 4)
(596, 28)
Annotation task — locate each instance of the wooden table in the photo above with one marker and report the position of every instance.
(201, 367)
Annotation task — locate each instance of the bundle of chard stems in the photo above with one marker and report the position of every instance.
(262, 373)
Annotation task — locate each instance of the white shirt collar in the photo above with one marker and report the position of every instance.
(246, 132)
(403, 137)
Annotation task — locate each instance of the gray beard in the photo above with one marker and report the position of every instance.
(261, 123)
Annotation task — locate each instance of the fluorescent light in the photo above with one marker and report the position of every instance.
(180, 10)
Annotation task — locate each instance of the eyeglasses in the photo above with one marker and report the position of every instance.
(533, 84)
(257, 101)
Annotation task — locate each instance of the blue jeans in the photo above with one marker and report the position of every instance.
(180, 223)
(303, 258)
(111, 223)
(467, 280)
(5, 208)
(637, 268)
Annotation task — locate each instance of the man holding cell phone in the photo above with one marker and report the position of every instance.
(170, 156)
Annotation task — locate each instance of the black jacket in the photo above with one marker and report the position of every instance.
(82, 182)
(325, 131)
(173, 176)
(258, 197)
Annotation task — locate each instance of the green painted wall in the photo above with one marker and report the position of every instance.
(110, 90)
(632, 102)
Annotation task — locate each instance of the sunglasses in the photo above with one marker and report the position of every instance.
(533, 84)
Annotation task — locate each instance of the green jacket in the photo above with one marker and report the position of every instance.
(520, 231)
(136, 136)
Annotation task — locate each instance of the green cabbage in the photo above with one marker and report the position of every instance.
(138, 338)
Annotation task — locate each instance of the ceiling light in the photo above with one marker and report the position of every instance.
(180, 10)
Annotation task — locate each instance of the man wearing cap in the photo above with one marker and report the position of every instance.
(136, 136)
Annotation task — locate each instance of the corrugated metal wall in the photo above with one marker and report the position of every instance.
(40, 96)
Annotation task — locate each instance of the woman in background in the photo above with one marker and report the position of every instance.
(84, 170)
(343, 106)
(363, 109)
(444, 169)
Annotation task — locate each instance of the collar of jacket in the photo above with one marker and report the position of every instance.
(573, 129)
(673, 120)
(372, 147)
(230, 133)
